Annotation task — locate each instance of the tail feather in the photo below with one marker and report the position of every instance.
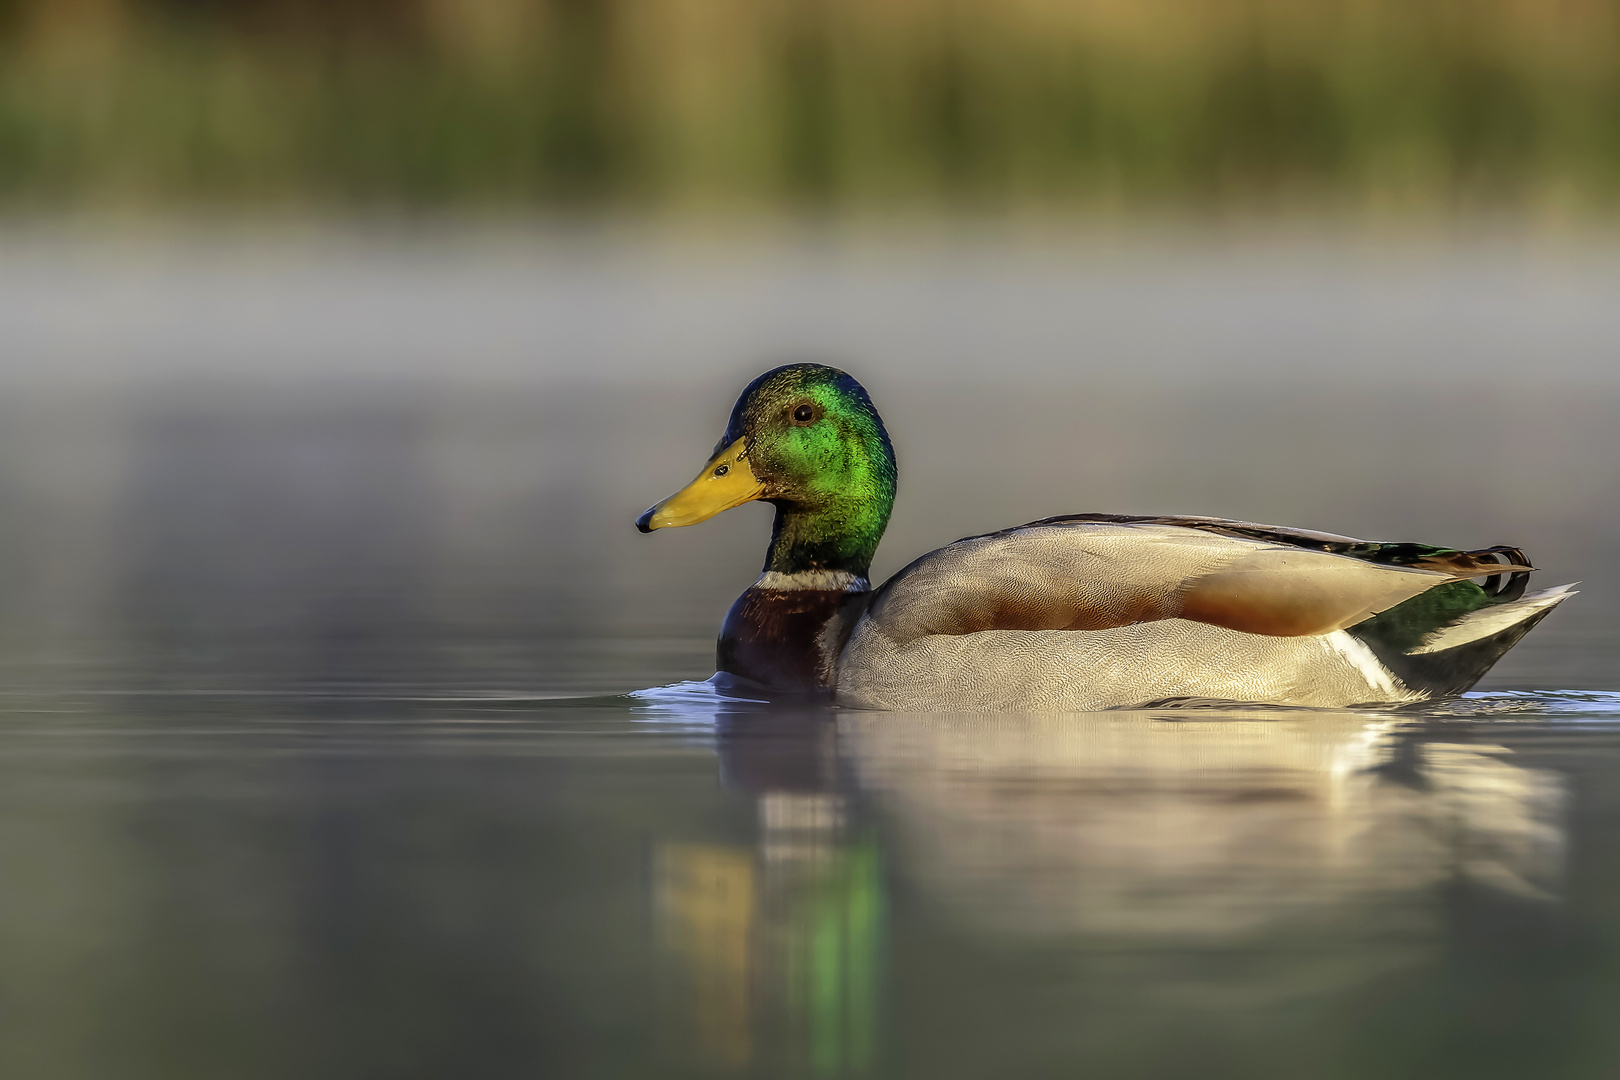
(1452, 658)
(1492, 563)
(1489, 621)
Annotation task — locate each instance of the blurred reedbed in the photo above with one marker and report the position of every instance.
(1102, 105)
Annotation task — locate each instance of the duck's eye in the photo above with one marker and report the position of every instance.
(804, 414)
(722, 470)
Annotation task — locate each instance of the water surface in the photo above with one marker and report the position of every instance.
(321, 751)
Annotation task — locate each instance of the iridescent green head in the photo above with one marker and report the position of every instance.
(806, 438)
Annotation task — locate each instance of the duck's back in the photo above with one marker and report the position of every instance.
(1100, 611)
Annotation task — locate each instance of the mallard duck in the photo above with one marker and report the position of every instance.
(1083, 612)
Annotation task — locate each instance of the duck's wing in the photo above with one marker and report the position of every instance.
(1093, 572)
(1502, 571)
(1505, 568)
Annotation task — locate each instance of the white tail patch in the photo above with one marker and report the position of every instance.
(1379, 677)
(1492, 620)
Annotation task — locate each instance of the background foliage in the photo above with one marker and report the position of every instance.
(1103, 104)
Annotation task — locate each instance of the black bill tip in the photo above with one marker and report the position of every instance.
(644, 522)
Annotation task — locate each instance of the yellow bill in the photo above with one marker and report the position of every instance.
(726, 481)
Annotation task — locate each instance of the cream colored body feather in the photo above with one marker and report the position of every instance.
(1081, 670)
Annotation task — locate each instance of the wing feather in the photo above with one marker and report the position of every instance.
(1092, 575)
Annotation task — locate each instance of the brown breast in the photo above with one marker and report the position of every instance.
(775, 636)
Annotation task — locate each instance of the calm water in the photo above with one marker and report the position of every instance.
(327, 748)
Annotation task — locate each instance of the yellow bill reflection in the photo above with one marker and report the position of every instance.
(706, 908)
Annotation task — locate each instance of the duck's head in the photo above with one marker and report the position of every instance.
(805, 438)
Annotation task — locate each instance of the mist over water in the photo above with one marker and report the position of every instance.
(388, 443)
(321, 589)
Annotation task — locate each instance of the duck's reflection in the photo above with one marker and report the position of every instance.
(1142, 825)
(779, 946)
(1118, 830)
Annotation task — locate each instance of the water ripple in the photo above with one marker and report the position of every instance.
(1563, 704)
(692, 701)
(708, 699)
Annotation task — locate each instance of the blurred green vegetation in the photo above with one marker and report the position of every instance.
(1101, 104)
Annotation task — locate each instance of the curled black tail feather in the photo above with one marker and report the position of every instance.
(1513, 589)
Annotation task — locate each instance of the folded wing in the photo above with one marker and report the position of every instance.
(1093, 575)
